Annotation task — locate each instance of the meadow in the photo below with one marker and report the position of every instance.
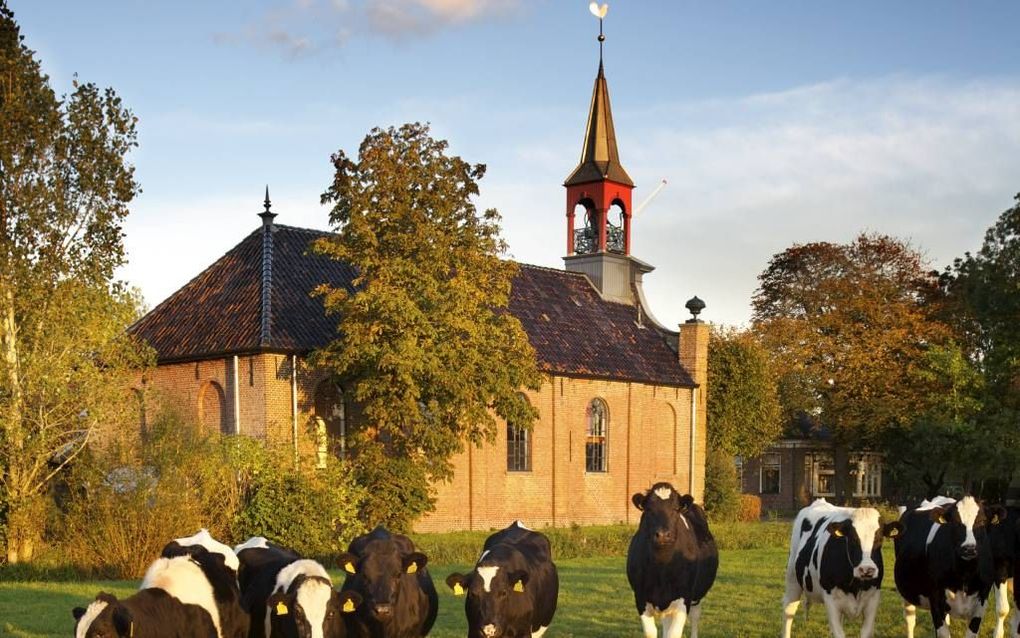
(595, 602)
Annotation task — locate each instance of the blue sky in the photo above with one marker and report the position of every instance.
(774, 122)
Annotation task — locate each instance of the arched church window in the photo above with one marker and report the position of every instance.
(596, 442)
(615, 228)
(518, 448)
(331, 407)
(212, 408)
(586, 238)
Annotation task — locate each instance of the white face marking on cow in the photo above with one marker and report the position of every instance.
(255, 542)
(489, 630)
(213, 546)
(968, 510)
(487, 574)
(664, 493)
(91, 613)
(866, 523)
(313, 596)
(182, 578)
(303, 567)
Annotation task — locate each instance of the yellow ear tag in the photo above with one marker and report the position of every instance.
(349, 568)
(942, 520)
(281, 609)
(519, 587)
(894, 532)
(838, 533)
(412, 568)
(995, 519)
(458, 590)
(348, 606)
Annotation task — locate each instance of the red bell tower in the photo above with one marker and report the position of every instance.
(599, 184)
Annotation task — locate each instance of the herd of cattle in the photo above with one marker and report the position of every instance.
(949, 556)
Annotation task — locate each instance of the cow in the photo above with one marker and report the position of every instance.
(671, 562)
(399, 599)
(175, 599)
(151, 613)
(289, 596)
(944, 562)
(219, 564)
(836, 559)
(512, 591)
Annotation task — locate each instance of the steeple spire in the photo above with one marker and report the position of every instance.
(600, 158)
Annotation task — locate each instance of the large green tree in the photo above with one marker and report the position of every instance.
(849, 327)
(743, 398)
(426, 340)
(65, 358)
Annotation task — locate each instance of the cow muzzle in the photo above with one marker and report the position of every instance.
(865, 572)
(663, 537)
(489, 631)
(383, 610)
(968, 552)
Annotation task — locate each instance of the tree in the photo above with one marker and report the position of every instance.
(426, 339)
(65, 358)
(849, 328)
(743, 400)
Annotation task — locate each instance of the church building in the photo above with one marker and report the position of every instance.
(622, 404)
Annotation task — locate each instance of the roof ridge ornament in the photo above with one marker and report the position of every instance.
(267, 215)
(600, 13)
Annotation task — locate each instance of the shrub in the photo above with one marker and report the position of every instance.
(722, 495)
(750, 508)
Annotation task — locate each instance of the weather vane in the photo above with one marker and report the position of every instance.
(600, 13)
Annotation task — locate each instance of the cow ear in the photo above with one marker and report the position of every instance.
(639, 501)
(835, 528)
(347, 562)
(685, 502)
(519, 579)
(349, 600)
(78, 612)
(123, 622)
(415, 561)
(277, 604)
(458, 583)
(938, 515)
(892, 530)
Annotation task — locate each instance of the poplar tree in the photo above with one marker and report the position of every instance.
(426, 340)
(65, 359)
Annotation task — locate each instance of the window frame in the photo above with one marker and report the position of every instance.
(772, 461)
(518, 449)
(596, 440)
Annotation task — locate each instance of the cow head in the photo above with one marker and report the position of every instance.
(105, 616)
(859, 538)
(496, 599)
(382, 575)
(966, 521)
(311, 608)
(663, 515)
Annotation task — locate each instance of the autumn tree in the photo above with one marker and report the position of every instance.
(849, 327)
(426, 340)
(65, 358)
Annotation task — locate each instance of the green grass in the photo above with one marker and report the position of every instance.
(595, 602)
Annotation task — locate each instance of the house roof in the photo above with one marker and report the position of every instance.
(258, 298)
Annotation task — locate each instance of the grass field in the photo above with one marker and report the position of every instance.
(595, 602)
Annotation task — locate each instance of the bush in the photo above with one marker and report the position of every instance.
(750, 508)
(722, 494)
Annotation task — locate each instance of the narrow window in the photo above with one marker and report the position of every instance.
(824, 477)
(597, 436)
(867, 471)
(331, 408)
(770, 474)
(518, 449)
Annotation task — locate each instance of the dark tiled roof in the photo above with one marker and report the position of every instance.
(573, 330)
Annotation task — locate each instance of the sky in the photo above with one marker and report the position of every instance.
(774, 123)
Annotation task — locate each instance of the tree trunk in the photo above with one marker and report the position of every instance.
(24, 528)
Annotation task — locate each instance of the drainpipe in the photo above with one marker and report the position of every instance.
(237, 399)
(694, 438)
(293, 403)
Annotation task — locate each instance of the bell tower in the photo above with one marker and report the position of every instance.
(599, 208)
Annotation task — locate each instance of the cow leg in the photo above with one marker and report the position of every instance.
(694, 618)
(674, 619)
(835, 618)
(974, 625)
(910, 615)
(870, 611)
(791, 601)
(1014, 623)
(1001, 609)
(939, 615)
(648, 622)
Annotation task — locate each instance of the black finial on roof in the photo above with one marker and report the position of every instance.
(267, 215)
(695, 305)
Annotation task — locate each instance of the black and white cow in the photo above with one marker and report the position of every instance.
(219, 564)
(399, 599)
(184, 579)
(289, 596)
(512, 591)
(944, 562)
(151, 613)
(672, 561)
(836, 560)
